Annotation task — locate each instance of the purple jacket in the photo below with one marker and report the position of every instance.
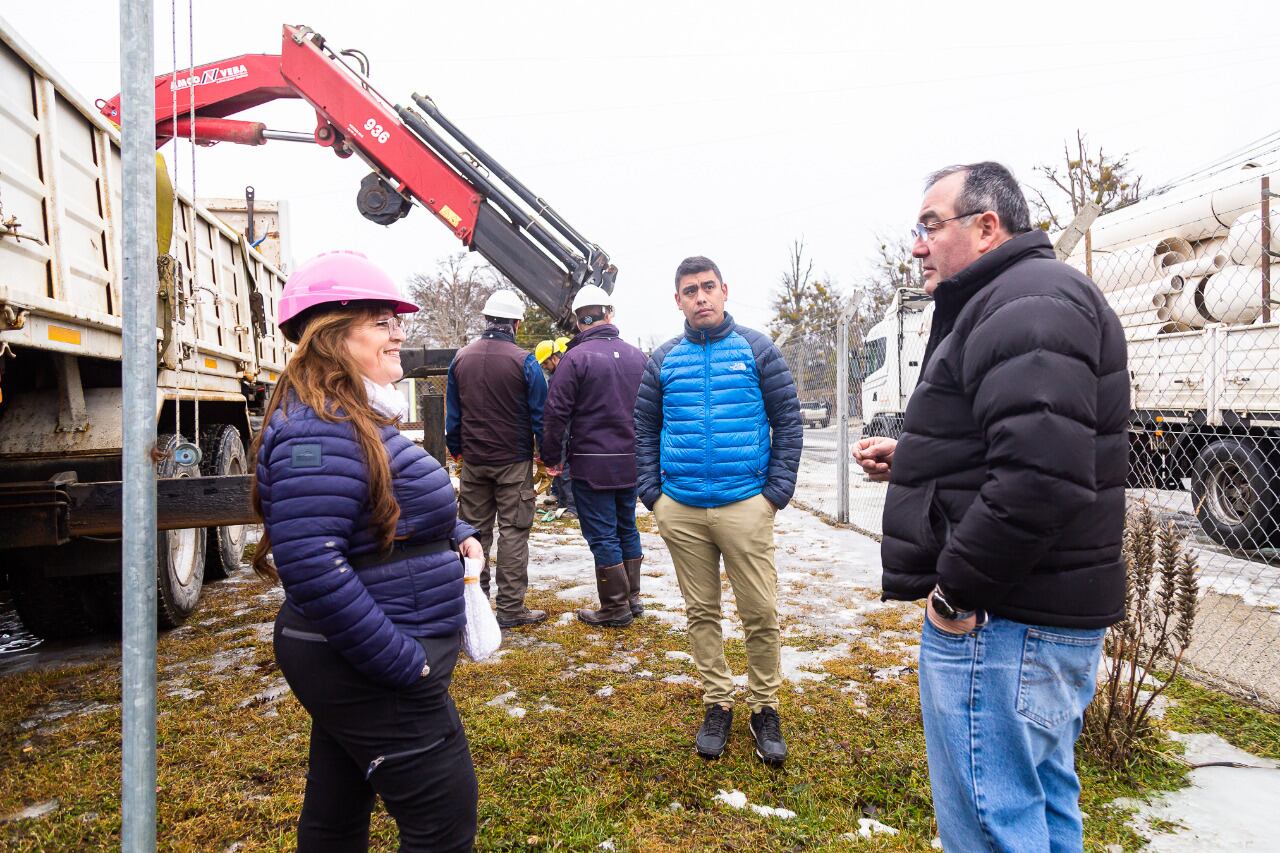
(315, 502)
(593, 399)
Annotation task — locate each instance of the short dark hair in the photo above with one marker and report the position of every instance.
(500, 321)
(989, 186)
(694, 265)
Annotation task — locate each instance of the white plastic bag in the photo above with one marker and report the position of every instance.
(482, 636)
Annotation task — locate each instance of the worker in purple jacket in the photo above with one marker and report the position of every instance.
(592, 399)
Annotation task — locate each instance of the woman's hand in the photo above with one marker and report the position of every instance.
(470, 547)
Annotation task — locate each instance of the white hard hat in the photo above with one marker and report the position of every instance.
(592, 295)
(503, 304)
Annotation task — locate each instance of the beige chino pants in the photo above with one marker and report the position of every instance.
(741, 533)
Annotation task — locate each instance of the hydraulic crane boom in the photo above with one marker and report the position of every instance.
(416, 155)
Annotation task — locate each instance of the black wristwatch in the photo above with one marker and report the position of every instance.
(946, 609)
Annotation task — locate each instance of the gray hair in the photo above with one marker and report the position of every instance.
(989, 186)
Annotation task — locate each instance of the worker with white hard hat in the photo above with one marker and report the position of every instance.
(493, 399)
(595, 391)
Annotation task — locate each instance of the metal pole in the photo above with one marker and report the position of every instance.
(138, 686)
(842, 420)
(1266, 250)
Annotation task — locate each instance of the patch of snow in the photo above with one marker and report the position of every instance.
(732, 799)
(566, 618)
(674, 806)
(504, 701)
(868, 827)
(38, 810)
(1224, 808)
(892, 673)
(276, 691)
(770, 811)
(681, 679)
(605, 692)
(186, 693)
(606, 845)
(738, 800)
(685, 656)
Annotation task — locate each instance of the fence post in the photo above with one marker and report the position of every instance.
(842, 419)
(138, 533)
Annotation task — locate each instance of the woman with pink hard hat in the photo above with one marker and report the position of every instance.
(361, 529)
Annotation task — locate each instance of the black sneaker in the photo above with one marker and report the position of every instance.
(766, 728)
(714, 733)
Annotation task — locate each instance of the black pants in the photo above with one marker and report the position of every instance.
(406, 746)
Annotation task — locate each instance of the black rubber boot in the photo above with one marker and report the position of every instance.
(615, 611)
(714, 734)
(633, 581)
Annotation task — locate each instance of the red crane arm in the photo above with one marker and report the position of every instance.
(479, 201)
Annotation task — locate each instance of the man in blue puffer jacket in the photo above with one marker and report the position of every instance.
(718, 440)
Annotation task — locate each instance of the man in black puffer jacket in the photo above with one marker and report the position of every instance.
(1006, 510)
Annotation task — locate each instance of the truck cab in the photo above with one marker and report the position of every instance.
(888, 362)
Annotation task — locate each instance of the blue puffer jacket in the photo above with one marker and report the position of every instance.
(315, 503)
(708, 403)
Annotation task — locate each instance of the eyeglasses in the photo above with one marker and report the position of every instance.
(927, 230)
(391, 325)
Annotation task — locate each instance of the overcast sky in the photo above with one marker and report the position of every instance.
(730, 129)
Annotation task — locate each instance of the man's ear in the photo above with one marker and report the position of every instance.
(991, 231)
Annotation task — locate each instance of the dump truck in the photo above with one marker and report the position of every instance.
(60, 360)
(219, 352)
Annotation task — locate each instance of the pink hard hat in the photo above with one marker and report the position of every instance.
(335, 278)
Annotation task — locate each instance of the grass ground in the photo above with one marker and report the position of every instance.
(594, 746)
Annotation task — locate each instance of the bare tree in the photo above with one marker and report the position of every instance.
(789, 300)
(893, 267)
(1084, 176)
(451, 299)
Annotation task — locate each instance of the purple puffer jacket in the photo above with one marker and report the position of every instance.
(593, 399)
(315, 503)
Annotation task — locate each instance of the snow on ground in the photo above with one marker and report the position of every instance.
(1224, 808)
(827, 583)
(824, 574)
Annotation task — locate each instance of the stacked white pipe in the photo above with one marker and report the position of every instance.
(1188, 257)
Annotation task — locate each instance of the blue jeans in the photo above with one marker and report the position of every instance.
(1003, 706)
(608, 521)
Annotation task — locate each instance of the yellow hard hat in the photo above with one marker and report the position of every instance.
(543, 350)
(562, 344)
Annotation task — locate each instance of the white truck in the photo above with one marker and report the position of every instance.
(60, 363)
(1189, 273)
(888, 363)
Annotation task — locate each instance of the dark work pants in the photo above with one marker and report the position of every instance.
(608, 521)
(406, 746)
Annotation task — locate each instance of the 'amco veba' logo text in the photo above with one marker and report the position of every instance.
(211, 75)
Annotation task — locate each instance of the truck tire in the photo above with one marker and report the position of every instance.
(52, 608)
(1234, 493)
(179, 553)
(223, 454)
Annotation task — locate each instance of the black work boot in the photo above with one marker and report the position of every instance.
(766, 728)
(524, 617)
(633, 581)
(614, 612)
(714, 733)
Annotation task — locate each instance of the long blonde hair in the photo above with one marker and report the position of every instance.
(322, 374)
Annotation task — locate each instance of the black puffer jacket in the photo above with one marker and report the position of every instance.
(1007, 485)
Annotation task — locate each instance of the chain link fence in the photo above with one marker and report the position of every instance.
(1189, 272)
